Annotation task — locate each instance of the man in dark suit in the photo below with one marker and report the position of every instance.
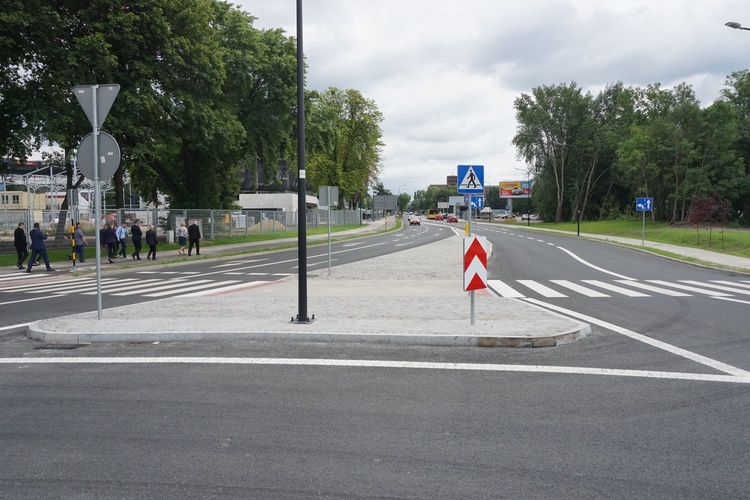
(37, 247)
(22, 246)
(194, 235)
(135, 230)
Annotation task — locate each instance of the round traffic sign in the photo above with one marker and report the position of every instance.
(108, 154)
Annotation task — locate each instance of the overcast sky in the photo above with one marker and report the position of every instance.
(445, 73)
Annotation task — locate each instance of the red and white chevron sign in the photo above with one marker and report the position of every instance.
(475, 263)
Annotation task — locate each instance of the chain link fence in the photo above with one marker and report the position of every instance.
(214, 224)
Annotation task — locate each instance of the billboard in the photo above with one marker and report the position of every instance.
(515, 189)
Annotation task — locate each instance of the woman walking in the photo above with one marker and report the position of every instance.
(182, 234)
(151, 241)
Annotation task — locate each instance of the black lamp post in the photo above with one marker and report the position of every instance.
(302, 186)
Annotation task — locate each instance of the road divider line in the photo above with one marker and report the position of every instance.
(716, 365)
(592, 266)
(366, 363)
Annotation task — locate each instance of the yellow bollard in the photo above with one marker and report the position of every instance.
(73, 241)
(466, 228)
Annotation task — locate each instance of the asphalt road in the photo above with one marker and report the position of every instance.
(696, 308)
(309, 420)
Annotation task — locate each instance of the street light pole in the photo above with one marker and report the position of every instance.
(302, 317)
(528, 199)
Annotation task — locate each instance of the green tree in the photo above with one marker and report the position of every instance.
(344, 142)
(550, 121)
(403, 201)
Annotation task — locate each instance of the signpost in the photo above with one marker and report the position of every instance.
(328, 196)
(471, 181)
(96, 101)
(644, 205)
(475, 266)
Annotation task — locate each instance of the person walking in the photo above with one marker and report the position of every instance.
(182, 235)
(110, 239)
(80, 241)
(122, 238)
(151, 241)
(137, 235)
(194, 235)
(37, 247)
(22, 246)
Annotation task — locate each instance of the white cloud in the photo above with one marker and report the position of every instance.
(445, 73)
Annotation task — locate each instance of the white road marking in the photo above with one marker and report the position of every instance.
(194, 285)
(592, 266)
(731, 283)
(216, 291)
(615, 288)
(10, 327)
(541, 289)
(689, 288)
(651, 288)
(366, 363)
(718, 287)
(716, 365)
(588, 292)
(503, 290)
(733, 300)
(237, 262)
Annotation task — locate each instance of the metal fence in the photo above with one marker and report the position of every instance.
(214, 224)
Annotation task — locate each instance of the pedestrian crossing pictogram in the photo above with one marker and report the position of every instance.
(471, 179)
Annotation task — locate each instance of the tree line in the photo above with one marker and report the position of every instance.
(594, 154)
(203, 93)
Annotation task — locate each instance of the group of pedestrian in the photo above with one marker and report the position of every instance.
(111, 238)
(116, 241)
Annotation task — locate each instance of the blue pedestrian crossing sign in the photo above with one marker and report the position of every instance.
(470, 179)
(644, 204)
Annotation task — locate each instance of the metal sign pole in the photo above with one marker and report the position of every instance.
(98, 208)
(328, 189)
(472, 298)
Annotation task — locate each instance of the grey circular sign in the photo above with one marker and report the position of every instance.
(108, 156)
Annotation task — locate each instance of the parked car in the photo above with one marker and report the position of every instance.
(525, 217)
(452, 218)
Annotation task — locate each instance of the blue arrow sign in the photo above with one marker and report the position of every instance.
(477, 202)
(644, 204)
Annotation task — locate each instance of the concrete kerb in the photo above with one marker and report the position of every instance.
(350, 306)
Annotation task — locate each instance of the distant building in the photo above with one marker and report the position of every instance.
(258, 192)
(452, 180)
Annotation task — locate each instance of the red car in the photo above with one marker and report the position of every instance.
(439, 217)
(452, 218)
(414, 220)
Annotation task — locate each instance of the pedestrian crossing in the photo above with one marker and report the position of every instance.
(559, 289)
(152, 287)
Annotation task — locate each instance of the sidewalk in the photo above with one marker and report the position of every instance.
(412, 297)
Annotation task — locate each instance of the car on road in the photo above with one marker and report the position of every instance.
(452, 218)
(414, 220)
(439, 217)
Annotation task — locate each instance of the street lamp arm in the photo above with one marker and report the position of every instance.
(736, 26)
